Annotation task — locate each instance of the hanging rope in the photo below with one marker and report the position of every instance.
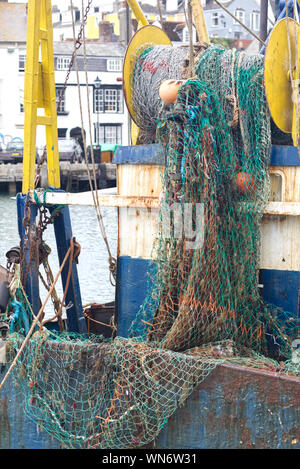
(190, 28)
(111, 259)
(40, 313)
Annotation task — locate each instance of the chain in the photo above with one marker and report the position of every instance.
(62, 92)
(44, 220)
(77, 46)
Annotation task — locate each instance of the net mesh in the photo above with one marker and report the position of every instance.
(204, 307)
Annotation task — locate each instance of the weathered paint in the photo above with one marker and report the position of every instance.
(133, 282)
(280, 230)
(237, 407)
(284, 156)
(139, 174)
(137, 230)
(280, 245)
(281, 287)
(139, 180)
(142, 154)
(234, 407)
(139, 171)
(17, 431)
(138, 227)
(89, 198)
(289, 186)
(283, 209)
(63, 234)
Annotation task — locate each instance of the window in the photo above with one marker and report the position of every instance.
(21, 100)
(240, 14)
(62, 133)
(61, 100)
(62, 63)
(114, 65)
(186, 35)
(255, 20)
(215, 19)
(108, 133)
(22, 60)
(108, 99)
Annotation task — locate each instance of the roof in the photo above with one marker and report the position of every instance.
(13, 22)
(214, 6)
(97, 49)
(171, 28)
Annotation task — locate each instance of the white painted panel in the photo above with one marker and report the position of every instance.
(137, 232)
(280, 246)
(138, 227)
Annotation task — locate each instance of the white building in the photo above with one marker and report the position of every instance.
(108, 112)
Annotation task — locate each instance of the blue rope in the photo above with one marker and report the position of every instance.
(19, 315)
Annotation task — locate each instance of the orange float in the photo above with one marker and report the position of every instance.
(243, 181)
(168, 90)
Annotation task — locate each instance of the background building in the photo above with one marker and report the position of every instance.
(106, 45)
(109, 115)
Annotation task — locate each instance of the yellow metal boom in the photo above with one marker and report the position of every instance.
(39, 93)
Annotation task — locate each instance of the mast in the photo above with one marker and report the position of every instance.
(264, 4)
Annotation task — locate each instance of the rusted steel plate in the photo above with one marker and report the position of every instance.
(236, 407)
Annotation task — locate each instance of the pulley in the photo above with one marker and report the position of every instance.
(143, 37)
(282, 68)
(13, 255)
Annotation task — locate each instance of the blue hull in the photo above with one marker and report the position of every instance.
(233, 408)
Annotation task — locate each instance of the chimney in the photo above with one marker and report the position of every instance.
(105, 31)
(126, 30)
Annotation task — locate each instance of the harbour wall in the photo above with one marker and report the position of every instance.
(74, 176)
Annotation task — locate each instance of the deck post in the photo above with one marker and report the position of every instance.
(63, 235)
(30, 271)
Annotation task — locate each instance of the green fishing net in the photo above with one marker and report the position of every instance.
(204, 305)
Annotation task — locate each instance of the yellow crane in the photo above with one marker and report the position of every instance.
(39, 93)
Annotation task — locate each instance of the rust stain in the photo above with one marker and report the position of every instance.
(271, 387)
(4, 424)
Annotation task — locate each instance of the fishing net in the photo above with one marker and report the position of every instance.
(204, 307)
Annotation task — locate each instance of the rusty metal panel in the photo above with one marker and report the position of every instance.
(236, 407)
(139, 180)
(17, 431)
(137, 232)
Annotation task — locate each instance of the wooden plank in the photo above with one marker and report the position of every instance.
(283, 208)
(116, 200)
(86, 198)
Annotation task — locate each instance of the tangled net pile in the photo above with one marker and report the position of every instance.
(204, 307)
